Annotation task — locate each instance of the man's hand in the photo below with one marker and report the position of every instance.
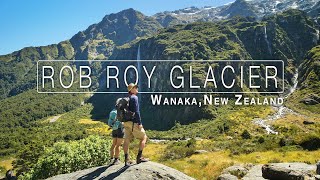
(140, 126)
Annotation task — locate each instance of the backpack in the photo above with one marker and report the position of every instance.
(112, 117)
(123, 112)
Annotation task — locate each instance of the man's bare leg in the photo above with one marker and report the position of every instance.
(142, 144)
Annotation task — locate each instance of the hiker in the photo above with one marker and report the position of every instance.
(133, 127)
(117, 136)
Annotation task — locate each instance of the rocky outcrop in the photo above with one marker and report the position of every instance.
(254, 173)
(227, 177)
(312, 99)
(148, 170)
(235, 172)
(288, 171)
(273, 171)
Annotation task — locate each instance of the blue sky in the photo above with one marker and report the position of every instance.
(42, 22)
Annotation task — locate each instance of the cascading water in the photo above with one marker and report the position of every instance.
(139, 70)
(295, 84)
(280, 110)
(266, 39)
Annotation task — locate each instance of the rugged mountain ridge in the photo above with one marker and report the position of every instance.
(287, 36)
(96, 42)
(120, 28)
(99, 40)
(254, 8)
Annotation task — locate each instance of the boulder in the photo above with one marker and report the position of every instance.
(254, 173)
(236, 170)
(312, 99)
(201, 151)
(309, 101)
(10, 175)
(227, 177)
(315, 97)
(288, 171)
(229, 137)
(308, 122)
(143, 171)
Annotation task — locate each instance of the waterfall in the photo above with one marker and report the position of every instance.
(266, 39)
(295, 84)
(139, 67)
(138, 53)
(280, 110)
(139, 71)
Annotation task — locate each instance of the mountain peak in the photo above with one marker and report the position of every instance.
(129, 13)
(120, 28)
(239, 8)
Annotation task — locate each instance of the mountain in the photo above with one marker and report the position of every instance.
(17, 70)
(314, 11)
(120, 28)
(96, 42)
(287, 36)
(306, 100)
(253, 8)
(238, 8)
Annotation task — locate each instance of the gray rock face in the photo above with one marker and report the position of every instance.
(288, 171)
(309, 101)
(254, 173)
(236, 170)
(227, 177)
(143, 171)
(312, 99)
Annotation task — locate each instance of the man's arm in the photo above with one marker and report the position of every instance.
(137, 110)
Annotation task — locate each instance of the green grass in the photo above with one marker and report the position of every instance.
(210, 165)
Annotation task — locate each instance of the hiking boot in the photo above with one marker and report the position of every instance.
(128, 163)
(142, 159)
(110, 161)
(116, 162)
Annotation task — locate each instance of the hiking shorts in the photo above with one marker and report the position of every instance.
(131, 130)
(118, 133)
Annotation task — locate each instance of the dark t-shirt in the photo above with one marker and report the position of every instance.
(134, 107)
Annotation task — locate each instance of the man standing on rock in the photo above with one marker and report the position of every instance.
(133, 128)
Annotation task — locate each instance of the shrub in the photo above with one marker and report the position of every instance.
(246, 135)
(261, 140)
(2, 171)
(310, 142)
(180, 149)
(69, 157)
